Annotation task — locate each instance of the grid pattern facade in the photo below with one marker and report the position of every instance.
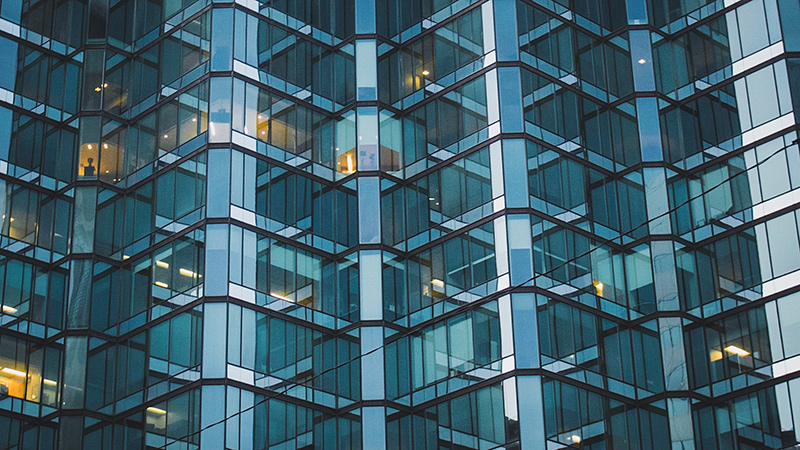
(428, 224)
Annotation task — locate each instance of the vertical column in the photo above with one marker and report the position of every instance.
(510, 88)
(673, 359)
(219, 111)
(505, 25)
(637, 12)
(221, 39)
(373, 418)
(531, 412)
(218, 205)
(520, 249)
(212, 410)
(214, 362)
(681, 430)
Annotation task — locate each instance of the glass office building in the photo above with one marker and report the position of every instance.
(427, 224)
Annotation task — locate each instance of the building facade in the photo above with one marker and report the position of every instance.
(335, 224)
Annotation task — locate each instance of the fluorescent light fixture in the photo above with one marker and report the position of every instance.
(161, 284)
(155, 410)
(736, 350)
(350, 163)
(49, 382)
(187, 273)
(281, 297)
(9, 310)
(162, 264)
(15, 372)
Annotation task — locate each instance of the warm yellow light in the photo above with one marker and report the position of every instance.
(97, 89)
(426, 72)
(125, 257)
(105, 84)
(49, 382)
(736, 350)
(105, 145)
(166, 136)
(161, 284)
(598, 286)
(162, 264)
(89, 146)
(437, 283)
(716, 355)
(642, 61)
(281, 297)
(575, 438)
(350, 163)
(187, 273)
(11, 219)
(155, 410)
(11, 371)
(9, 310)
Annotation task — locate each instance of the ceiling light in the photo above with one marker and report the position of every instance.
(11, 371)
(105, 145)
(166, 136)
(425, 72)
(89, 146)
(737, 351)
(281, 297)
(575, 438)
(155, 410)
(97, 89)
(49, 382)
(9, 310)
(187, 273)
(194, 119)
(161, 284)
(642, 61)
(162, 264)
